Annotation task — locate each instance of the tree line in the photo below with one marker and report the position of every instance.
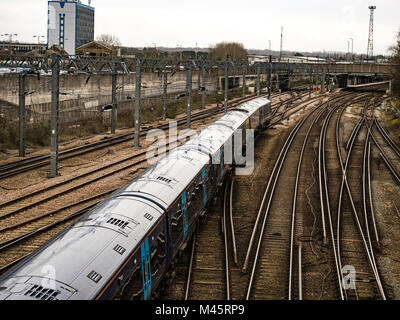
(222, 51)
(396, 68)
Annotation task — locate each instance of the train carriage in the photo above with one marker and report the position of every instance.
(123, 247)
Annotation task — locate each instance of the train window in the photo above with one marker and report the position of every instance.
(133, 288)
(161, 246)
(208, 183)
(176, 224)
(157, 254)
(154, 260)
(195, 203)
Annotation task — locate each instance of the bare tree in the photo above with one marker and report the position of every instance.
(396, 68)
(228, 50)
(109, 40)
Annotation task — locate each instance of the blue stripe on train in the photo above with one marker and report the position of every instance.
(184, 213)
(146, 269)
(203, 179)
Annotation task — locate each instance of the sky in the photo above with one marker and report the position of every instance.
(311, 25)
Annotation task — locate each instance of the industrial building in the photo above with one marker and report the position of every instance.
(70, 24)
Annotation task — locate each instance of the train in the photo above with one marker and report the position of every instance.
(126, 245)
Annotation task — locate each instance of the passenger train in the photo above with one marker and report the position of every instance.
(124, 246)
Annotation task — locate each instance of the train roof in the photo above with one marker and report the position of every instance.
(85, 256)
(212, 138)
(169, 177)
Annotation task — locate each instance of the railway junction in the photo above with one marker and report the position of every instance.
(317, 219)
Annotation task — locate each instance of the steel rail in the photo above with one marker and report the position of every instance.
(390, 141)
(32, 204)
(14, 241)
(259, 214)
(235, 259)
(345, 183)
(383, 155)
(322, 159)
(87, 148)
(368, 177)
(370, 198)
(339, 209)
(225, 231)
(56, 211)
(17, 167)
(364, 189)
(187, 291)
(390, 166)
(322, 165)
(294, 206)
(300, 273)
(74, 178)
(279, 161)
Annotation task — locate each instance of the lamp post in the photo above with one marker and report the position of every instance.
(38, 38)
(352, 49)
(348, 50)
(10, 35)
(180, 49)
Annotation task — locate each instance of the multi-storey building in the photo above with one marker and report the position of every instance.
(70, 25)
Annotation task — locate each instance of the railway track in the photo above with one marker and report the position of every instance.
(211, 268)
(17, 167)
(98, 173)
(308, 238)
(229, 273)
(332, 230)
(353, 239)
(274, 253)
(210, 253)
(21, 204)
(28, 216)
(31, 163)
(297, 255)
(213, 277)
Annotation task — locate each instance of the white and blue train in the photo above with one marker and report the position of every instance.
(124, 246)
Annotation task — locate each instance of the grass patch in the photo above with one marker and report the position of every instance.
(37, 135)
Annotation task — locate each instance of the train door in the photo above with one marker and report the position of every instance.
(204, 186)
(196, 200)
(213, 176)
(255, 120)
(176, 223)
(146, 269)
(157, 256)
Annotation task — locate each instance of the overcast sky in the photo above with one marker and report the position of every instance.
(311, 25)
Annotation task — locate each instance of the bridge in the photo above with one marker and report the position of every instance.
(344, 73)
